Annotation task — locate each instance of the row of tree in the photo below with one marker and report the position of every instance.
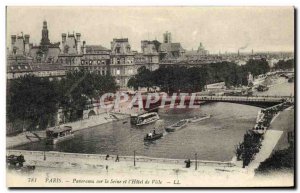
(33, 102)
(285, 65)
(250, 146)
(193, 79)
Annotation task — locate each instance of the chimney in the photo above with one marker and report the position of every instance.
(26, 44)
(63, 41)
(13, 42)
(78, 35)
(27, 38)
(84, 47)
(63, 37)
(13, 39)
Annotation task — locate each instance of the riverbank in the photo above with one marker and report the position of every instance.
(30, 137)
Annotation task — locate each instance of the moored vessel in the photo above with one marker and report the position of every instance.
(199, 118)
(58, 134)
(179, 125)
(144, 119)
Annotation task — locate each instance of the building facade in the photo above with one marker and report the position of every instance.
(149, 56)
(76, 56)
(122, 63)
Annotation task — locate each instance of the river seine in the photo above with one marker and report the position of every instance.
(212, 139)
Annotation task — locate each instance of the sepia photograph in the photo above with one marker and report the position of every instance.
(150, 96)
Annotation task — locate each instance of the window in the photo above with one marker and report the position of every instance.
(118, 71)
(128, 48)
(118, 49)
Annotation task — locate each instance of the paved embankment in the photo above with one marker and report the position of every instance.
(29, 137)
(275, 137)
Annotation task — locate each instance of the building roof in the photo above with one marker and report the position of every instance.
(170, 47)
(26, 67)
(95, 48)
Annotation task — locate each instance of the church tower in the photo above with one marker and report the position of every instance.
(45, 39)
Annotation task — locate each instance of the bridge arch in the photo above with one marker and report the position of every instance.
(91, 113)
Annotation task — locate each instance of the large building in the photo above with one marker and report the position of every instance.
(122, 65)
(149, 56)
(46, 52)
(75, 56)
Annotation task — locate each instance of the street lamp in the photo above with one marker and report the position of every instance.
(195, 161)
(134, 157)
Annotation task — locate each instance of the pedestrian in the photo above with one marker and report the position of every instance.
(188, 163)
(117, 159)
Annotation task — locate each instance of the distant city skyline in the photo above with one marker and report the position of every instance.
(218, 28)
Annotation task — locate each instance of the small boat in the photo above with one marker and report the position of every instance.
(179, 125)
(144, 119)
(58, 134)
(199, 118)
(153, 137)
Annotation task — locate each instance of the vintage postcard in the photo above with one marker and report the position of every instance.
(150, 96)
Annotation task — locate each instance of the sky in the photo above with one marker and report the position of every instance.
(218, 28)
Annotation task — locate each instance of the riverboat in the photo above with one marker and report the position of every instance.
(199, 118)
(58, 134)
(153, 137)
(179, 125)
(144, 119)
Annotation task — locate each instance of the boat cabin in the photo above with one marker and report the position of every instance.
(57, 132)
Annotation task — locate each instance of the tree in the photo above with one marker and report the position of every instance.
(284, 65)
(79, 87)
(32, 100)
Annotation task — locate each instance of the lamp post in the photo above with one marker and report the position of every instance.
(195, 161)
(134, 157)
